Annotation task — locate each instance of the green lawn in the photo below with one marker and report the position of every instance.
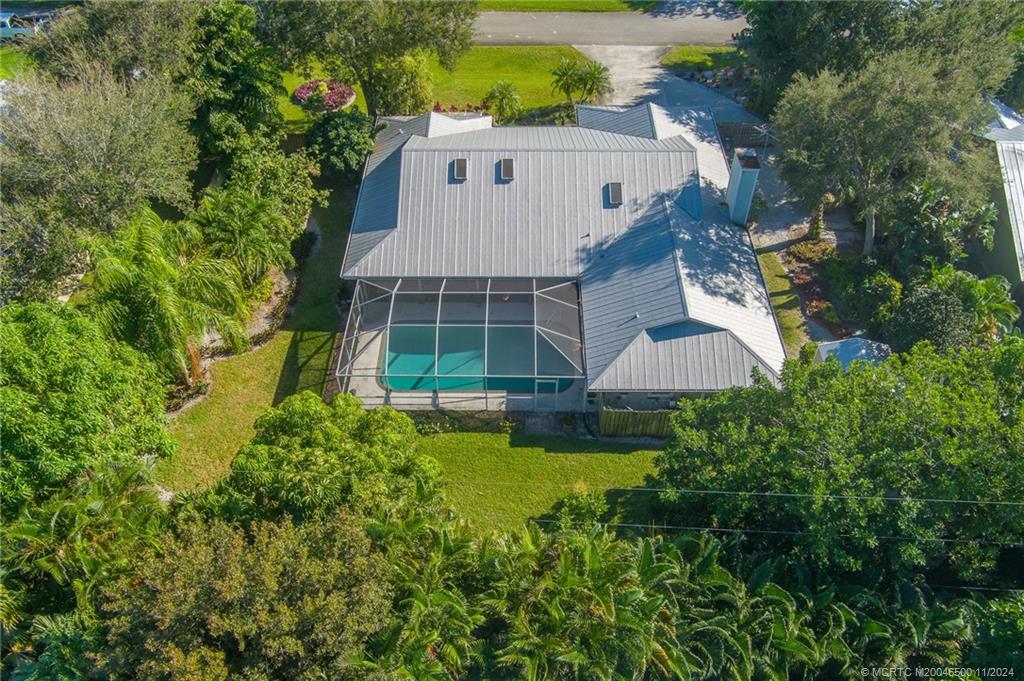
(686, 58)
(786, 302)
(529, 67)
(13, 62)
(243, 386)
(498, 481)
(567, 5)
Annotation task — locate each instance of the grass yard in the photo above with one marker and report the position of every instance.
(786, 302)
(243, 386)
(528, 67)
(296, 120)
(13, 62)
(568, 5)
(499, 481)
(686, 58)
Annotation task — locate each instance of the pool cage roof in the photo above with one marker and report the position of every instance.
(463, 333)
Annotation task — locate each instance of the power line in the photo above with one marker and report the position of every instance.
(798, 495)
(739, 530)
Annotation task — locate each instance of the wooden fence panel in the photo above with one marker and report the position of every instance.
(636, 423)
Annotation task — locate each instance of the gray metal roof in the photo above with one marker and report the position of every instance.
(667, 257)
(548, 221)
(682, 357)
(1011, 160)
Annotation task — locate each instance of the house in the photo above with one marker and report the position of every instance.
(554, 268)
(850, 350)
(1007, 254)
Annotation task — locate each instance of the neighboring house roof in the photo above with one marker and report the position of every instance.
(1005, 116)
(668, 257)
(1011, 161)
(849, 350)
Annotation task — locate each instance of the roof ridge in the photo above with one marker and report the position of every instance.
(591, 382)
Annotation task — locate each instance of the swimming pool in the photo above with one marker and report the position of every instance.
(514, 335)
(516, 359)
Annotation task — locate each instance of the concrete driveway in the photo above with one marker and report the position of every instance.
(637, 76)
(679, 23)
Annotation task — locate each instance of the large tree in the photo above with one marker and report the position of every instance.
(364, 39)
(131, 40)
(833, 468)
(97, 148)
(70, 400)
(869, 134)
(216, 602)
(308, 460)
(973, 41)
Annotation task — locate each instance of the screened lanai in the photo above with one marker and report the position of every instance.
(439, 335)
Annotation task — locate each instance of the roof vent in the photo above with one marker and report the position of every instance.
(459, 169)
(615, 193)
(507, 171)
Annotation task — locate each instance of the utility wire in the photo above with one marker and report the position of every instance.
(738, 530)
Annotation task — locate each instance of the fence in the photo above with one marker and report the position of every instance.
(636, 423)
(744, 135)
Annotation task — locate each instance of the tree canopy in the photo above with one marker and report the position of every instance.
(848, 453)
(97, 148)
(71, 400)
(217, 603)
(367, 40)
(309, 460)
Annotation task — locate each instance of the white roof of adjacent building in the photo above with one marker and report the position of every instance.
(850, 350)
(672, 297)
(1011, 161)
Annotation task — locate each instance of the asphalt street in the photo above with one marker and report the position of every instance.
(693, 23)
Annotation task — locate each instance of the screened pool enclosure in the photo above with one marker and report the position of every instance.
(518, 336)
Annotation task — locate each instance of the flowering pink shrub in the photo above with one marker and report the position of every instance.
(326, 95)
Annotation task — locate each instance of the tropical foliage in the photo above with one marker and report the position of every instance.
(70, 401)
(342, 140)
(502, 100)
(581, 82)
(837, 463)
(245, 230)
(151, 286)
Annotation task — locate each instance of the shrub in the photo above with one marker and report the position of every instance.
(581, 508)
(933, 314)
(877, 299)
(342, 140)
(812, 251)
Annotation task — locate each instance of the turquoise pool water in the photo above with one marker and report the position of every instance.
(472, 358)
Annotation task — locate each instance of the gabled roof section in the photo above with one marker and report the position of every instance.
(440, 124)
(646, 120)
(633, 284)
(683, 357)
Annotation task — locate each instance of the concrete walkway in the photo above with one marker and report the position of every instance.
(673, 24)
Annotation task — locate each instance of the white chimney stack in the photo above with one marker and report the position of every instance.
(742, 183)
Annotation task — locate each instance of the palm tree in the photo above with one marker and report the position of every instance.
(151, 287)
(567, 78)
(593, 82)
(989, 299)
(502, 100)
(82, 537)
(247, 230)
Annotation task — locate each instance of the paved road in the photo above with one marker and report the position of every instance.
(694, 24)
